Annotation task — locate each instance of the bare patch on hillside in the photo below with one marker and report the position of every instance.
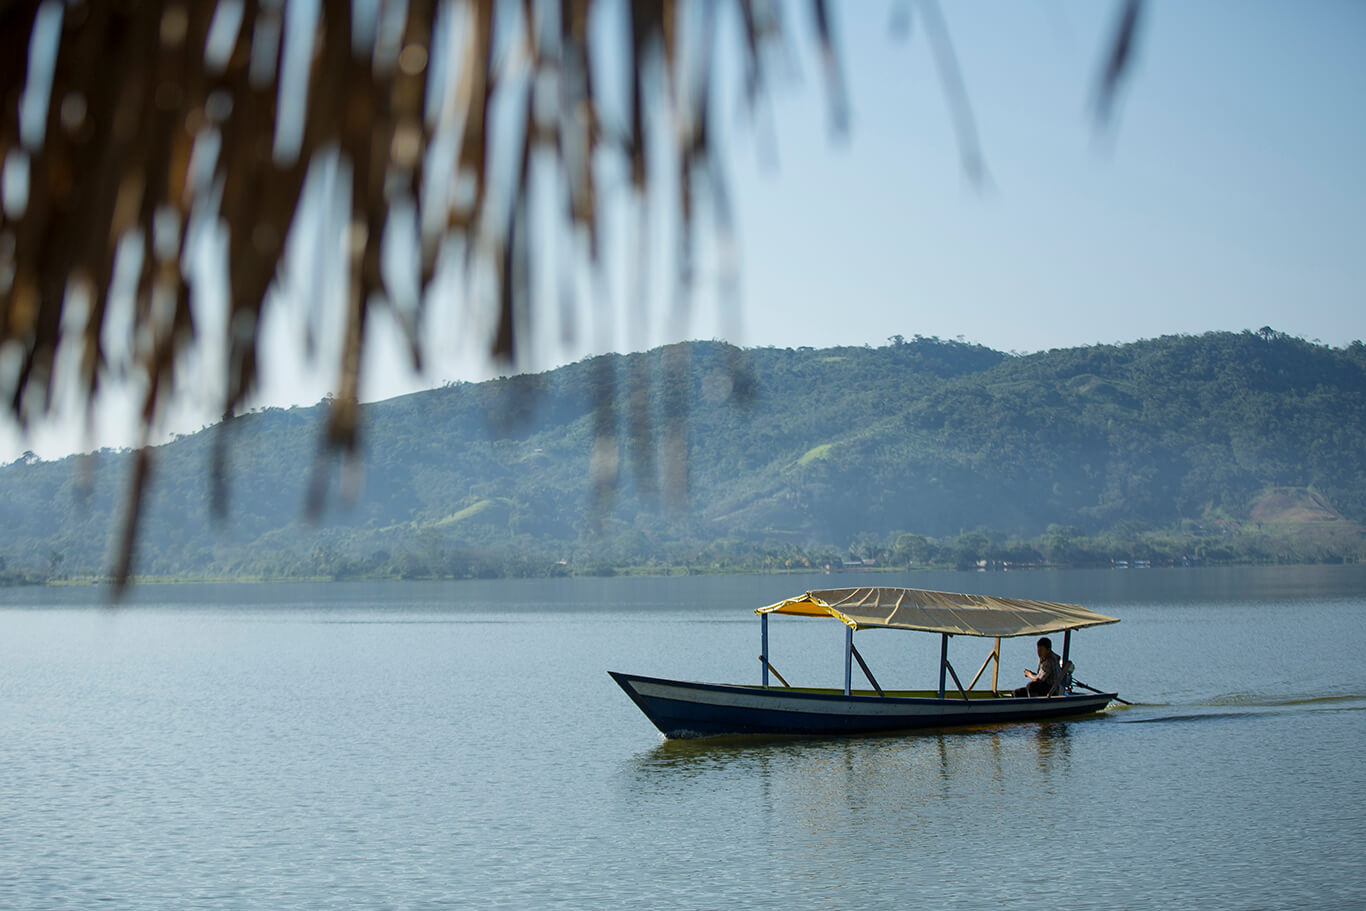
(1293, 504)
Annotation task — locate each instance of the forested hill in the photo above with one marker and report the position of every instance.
(1220, 446)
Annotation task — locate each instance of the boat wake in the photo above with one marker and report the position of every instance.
(1263, 700)
(1250, 705)
(1194, 716)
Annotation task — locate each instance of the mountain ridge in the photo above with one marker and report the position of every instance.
(1166, 446)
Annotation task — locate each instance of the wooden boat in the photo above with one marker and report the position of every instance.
(686, 709)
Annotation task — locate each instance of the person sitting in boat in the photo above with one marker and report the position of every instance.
(1042, 681)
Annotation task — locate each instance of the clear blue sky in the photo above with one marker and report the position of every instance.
(1229, 193)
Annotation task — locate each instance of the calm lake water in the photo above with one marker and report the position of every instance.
(460, 745)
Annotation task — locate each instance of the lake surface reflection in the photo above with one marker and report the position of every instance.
(461, 745)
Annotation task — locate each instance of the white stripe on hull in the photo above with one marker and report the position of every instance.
(871, 707)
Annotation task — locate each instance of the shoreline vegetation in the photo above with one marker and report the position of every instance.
(1339, 543)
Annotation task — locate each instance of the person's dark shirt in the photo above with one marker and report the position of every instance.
(1050, 666)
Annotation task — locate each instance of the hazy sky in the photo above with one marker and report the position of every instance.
(1229, 193)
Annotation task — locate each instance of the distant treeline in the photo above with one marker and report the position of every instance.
(978, 550)
(1224, 447)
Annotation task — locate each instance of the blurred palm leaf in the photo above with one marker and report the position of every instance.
(132, 129)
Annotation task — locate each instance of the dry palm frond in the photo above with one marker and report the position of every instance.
(128, 125)
(1119, 60)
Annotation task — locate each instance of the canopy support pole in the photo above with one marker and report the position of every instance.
(763, 646)
(995, 688)
(995, 654)
(956, 682)
(848, 659)
(943, 660)
(1064, 680)
(781, 679)
(867, 673)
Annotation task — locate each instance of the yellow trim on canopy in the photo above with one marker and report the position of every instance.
(939, 612)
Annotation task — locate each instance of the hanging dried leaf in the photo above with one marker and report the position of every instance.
(1119, 60)
(149, 122)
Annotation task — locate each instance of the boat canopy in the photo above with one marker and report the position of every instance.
(939, 612)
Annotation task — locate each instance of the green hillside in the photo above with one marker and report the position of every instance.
(1226, 446)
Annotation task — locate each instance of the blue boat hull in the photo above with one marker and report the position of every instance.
(685, 709)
